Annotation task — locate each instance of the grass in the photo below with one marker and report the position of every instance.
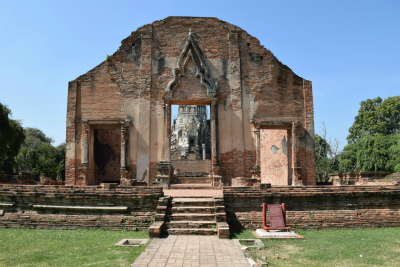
(360, 247)
(24, 247)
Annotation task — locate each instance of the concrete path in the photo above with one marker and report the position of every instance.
(190, 251)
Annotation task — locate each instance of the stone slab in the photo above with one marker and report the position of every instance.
(260, 233)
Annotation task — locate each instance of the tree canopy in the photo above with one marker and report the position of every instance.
(29, 149)
(11, 138)
(374, 139)
(39, 156)
(376, 116)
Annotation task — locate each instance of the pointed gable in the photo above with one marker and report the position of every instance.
(191, 54)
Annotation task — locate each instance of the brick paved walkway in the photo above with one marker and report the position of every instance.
(190, 251)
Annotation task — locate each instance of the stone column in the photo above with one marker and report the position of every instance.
(297, 181)
(123, 159)
(167, 128)
(162, 178)
(213, 115)
(203, 146)
(85, 136)
(125, 179)
(255, 171)
(86, 153)
(164, 147)
(82, 178)
(258, 148)
(216, 178)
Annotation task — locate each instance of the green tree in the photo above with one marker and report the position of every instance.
(39, 156)
(322, 161)
(11, 138)
(49, 162)
(376, 116)
(326, 156)
(374, 139)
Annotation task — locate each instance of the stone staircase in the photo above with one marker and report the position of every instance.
(194, 180)
(191, 216)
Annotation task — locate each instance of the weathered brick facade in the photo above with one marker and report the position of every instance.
(191, 61)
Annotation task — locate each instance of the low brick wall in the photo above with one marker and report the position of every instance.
(129, 208)
(316, 207)
(65, 207)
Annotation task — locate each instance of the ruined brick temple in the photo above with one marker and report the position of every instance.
(244, 125)
(261, 125)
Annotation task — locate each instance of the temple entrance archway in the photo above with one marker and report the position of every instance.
(193, 163)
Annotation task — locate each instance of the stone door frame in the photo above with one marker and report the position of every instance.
(166, 151)
(88, 145)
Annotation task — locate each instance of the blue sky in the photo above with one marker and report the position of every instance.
(348, 49)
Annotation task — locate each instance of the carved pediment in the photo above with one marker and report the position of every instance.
(192, 62)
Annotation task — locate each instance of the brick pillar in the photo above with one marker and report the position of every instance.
(309, 168)
(84, 170)
(235, 83)
(167, 136)
(143, 123)
(215, 173)
(70, 155)
(258, 149)
(213, 115)
(256, 173)
(163, 176)
(125, 179)
(296, 177)
(123, 159)
(85, 140)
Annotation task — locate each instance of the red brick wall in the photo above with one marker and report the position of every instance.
(141, 203)
(307, 207)
(316, 207)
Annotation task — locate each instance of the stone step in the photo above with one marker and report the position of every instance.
(220, 217)
(191, 224)
(191, 186)
(191, 231)
(160, 217)
(190, 217)
(191, 180)
(161, 209)
(189, 209)
(193, 202)
(197, 209)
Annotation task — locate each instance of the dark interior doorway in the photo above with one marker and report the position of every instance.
(107, 155)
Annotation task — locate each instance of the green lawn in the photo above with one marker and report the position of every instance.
(20, 247)
(360, 247)
(378, 247)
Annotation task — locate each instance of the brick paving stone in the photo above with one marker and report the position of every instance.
(191, 251)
